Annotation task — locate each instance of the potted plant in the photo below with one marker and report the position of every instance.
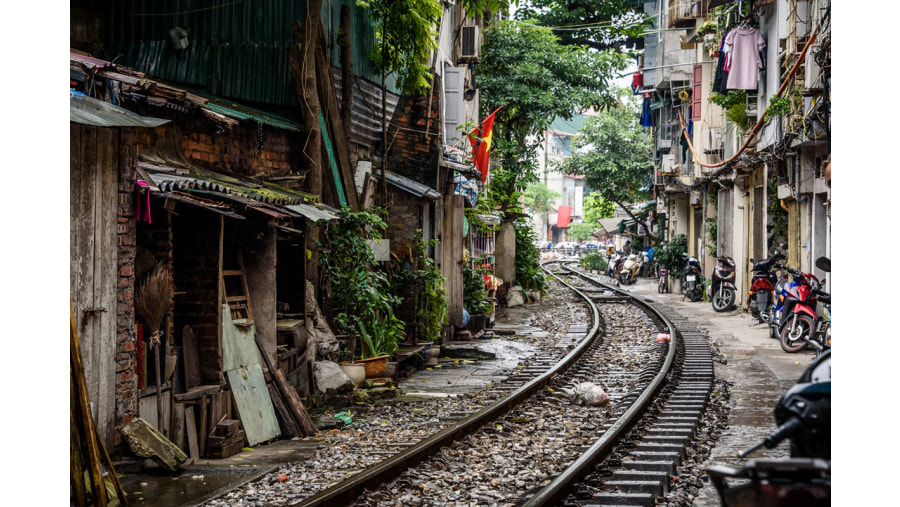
(671, 256)
(379, 340)
(475, 298)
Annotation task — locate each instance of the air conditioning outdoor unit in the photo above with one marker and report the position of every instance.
(469, 43)
(668, 164)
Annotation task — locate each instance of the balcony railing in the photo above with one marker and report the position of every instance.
(682, 13)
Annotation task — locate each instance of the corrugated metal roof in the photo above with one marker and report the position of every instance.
(236, 49)
(413, 187)
(90, 111)
(242, 112)
(312, 212)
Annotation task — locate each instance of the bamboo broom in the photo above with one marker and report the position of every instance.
(151, 301)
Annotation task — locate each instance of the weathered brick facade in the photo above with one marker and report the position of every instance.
(414, 137)
(258, 152)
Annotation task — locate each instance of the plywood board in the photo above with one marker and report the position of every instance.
(245, 376)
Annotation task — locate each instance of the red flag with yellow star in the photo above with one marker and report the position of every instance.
(481, 144)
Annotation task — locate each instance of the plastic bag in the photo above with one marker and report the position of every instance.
(587, 394)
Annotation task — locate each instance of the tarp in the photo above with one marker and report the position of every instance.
(564, 216)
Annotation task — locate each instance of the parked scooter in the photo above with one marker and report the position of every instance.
(693, 279)
(614, 265)
(630, 269)
(801, 327)
(762, 287)
(804, 417)
(723, 290)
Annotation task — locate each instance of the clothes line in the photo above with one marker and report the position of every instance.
(665, 67)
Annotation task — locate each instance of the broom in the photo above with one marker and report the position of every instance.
(151, 301)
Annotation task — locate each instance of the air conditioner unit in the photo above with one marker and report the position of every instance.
(668, 164)
(469, 43)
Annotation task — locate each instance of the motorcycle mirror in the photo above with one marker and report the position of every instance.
(752, 261)
(824, 263)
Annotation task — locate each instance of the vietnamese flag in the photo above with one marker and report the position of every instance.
(481, 144)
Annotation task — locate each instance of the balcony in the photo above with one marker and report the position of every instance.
(683, 13)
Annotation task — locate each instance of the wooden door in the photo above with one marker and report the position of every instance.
(93, 196)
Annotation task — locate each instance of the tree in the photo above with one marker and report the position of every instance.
(596, 208)
(581, 231)
(535, 79)
(614, 154)
(405, 36)
(539, 198)
(598, 24)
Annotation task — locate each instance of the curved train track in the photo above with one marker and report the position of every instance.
(623, 453)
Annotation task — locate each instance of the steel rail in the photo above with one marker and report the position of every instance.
(557, 490)
(345, 492)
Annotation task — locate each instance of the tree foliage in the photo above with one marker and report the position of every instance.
(581, 231)
(614, 154)
(598, 24)
(535, 79)
(539, 198)
(405, 36)
(596, 208)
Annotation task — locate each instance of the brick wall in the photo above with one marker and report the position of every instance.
(126, 335)
(258, 152)
(413, 153)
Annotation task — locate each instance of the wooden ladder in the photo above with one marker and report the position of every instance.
(237, 296)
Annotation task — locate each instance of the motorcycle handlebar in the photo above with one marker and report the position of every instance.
(784, 431)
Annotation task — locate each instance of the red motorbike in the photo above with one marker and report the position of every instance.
(762, 288)
(799, 320)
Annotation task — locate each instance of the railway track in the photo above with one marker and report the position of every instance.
(533, 447)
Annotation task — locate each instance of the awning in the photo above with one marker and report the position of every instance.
(413, 187)
(611, 225)
(312, 212)
(90, 111)
(564, 216)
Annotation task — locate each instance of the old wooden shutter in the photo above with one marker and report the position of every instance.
(696, 96)
(454, 81)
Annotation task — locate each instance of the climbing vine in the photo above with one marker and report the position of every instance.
(778, 214)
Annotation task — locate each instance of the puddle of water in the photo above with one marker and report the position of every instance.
(191, 487)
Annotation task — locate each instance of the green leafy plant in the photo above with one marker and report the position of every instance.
(671, 255)
(360, 291)
(778, 106)
(474, 293)
(528, 268)
(711, 227)
(730, 99)
(593, 261)
(419, 282)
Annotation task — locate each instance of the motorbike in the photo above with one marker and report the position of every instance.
(800, 326)
(762, 287)
(693, 279)
(803, 415)
(630, 269)
(723, 289)
(614, 265)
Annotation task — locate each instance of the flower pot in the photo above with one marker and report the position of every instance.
(477, 322)
(376, 367)
(391, 369)
(356, 372)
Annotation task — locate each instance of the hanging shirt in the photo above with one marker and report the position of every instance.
(637, 82)
(744, 60)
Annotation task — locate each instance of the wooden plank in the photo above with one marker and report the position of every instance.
(191, 358)
(190, 424)
(202, 425)
(289, 426)
(198, 392)
(290, 397)
(178, 428)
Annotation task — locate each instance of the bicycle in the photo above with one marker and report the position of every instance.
(663, 286)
